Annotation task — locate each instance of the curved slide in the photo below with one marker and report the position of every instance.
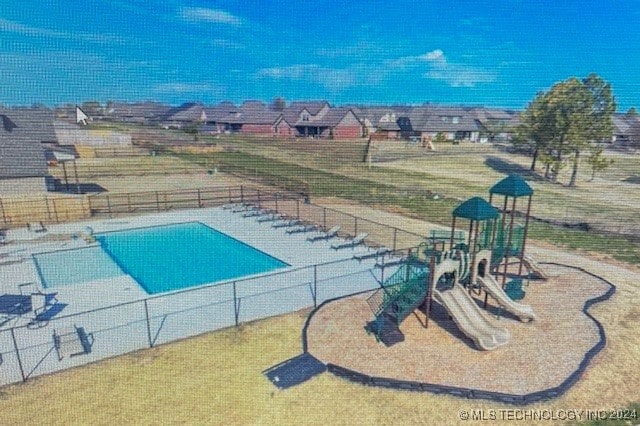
(522, 311)
(534, 267)
(470, 319)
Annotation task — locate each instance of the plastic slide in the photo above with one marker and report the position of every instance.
(533, 266)
(522, 311)
(470, 319)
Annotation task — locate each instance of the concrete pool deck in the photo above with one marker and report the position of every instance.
(123, 317)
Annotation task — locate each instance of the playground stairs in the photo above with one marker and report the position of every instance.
(399, 296)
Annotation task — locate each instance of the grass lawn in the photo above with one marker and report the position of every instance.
(429, 187)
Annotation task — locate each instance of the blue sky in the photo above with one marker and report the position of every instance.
(493, 52)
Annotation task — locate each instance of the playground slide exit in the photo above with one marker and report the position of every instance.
(522, 311)
(470, 319)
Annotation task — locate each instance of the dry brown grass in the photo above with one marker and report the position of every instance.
(216, 379)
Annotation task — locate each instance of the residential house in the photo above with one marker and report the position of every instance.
(626, 131)
(319, 120)
(23, 167)
(145, 113)
(184, 116)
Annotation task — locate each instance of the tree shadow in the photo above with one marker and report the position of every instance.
(509, 168)
(632, 179)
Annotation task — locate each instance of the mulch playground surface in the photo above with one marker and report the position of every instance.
(540, 354)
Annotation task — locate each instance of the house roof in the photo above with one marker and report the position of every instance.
(313, 107)
(148, 110)
(21, 151)
(447, 119)
(186, 112)
(332, 118)
(476, 208)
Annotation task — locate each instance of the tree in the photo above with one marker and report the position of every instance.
(278, 104)
(569, 119)
(598, 162)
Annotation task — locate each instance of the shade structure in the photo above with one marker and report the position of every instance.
(512, 186)
(477, 209)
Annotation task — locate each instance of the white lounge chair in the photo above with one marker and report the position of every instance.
(359, 239)
(286, 223)
(244, 207)
(331, 233)
(256, 211)
(302, 228)
(376, 253)
(36, 227)
(270, 217)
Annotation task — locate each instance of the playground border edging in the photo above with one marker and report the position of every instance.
(543, 395)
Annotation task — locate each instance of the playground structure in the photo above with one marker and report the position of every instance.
(450, 275)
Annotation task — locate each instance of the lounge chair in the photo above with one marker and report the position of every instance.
(359, 239)
(36, 227)
(302, 228)
(331, 233)
(232, 206)
(244, 207)
(271, 217)
(286, 223)
(72, 341)
(43, 308)
(256, 212)
(376, 253)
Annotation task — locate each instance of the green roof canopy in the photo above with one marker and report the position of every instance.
(476, 208)
(512, 186)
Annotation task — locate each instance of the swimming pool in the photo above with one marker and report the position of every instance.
(68, 267)
(171, 257)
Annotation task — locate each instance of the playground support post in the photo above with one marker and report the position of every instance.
(524, 236)
(453, 231)
(509, 237)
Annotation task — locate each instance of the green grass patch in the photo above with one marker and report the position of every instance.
(396, 190)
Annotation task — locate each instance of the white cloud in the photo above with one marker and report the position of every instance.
(434, 55)
(214, 16)
(200, 88)
(18, 28)
(334, 79)
(439, 68)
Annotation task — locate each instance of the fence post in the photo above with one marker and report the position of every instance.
(90, 206)
(15, 346)
(199, 199)
(109, 206)
(4, 215)
(146, 313)
(236, 304)
(230, 196)
(157, 201)
(298, 208)
(276, 202)
(242, 193)
(46, 203)
(129, 202)
(355, 225)
(395, 238)
(324, 217)
(315, 286)
(259, 198)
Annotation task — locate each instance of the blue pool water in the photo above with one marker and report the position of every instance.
(70, 267)
(171, 257)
